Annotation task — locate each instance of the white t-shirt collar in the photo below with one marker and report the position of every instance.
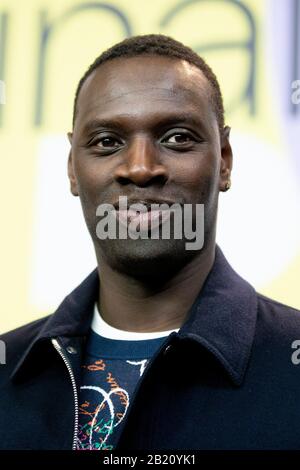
(102, 328)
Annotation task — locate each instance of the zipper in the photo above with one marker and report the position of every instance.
(60, 351)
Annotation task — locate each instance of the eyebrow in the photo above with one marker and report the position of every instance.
(119, 121)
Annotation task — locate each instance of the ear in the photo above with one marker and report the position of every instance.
(71, 173)
(226, 160)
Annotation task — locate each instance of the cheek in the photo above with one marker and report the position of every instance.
(198, 173)
(90, 180)
(89, 185)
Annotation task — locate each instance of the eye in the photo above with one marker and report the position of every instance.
(179, 139)
(106, 142)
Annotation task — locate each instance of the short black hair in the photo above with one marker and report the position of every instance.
(158, 44)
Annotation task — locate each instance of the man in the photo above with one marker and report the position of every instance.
(161, 347)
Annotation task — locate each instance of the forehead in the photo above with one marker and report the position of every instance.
(143, 87)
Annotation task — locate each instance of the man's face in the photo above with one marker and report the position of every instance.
(146, 129)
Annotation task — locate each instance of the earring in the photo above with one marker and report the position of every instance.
(227, 185)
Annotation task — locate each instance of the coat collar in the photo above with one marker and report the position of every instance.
(222, 318)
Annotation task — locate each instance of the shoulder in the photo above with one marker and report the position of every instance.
(277, 319)
(25, 332)
(17, 341)
(278, 309)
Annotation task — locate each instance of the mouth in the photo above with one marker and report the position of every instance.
(148, 203)
(143, 215)
(143, 221)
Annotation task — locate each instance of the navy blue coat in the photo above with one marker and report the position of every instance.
(226, 380)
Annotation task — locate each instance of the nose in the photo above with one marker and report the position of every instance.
(141, 165)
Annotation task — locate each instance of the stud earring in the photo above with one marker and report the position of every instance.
(227, 185)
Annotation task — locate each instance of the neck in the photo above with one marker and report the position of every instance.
(144, 307)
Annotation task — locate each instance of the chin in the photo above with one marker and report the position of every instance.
(145, 258)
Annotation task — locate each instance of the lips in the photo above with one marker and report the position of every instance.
(142, 220)
(143, 215)
(145, 202)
